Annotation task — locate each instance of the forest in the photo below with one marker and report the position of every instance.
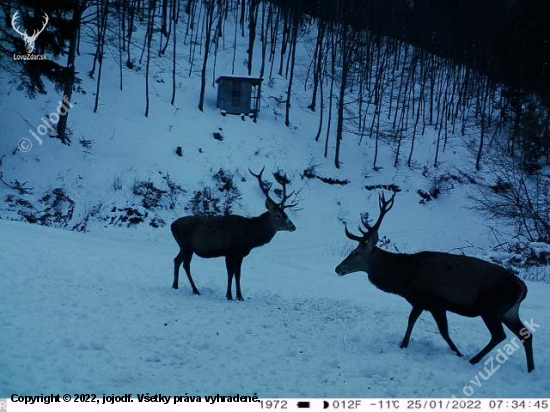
(380, 69)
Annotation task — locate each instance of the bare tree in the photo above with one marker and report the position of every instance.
(209, 21)
(149, 37)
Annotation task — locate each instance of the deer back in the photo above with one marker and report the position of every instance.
(215, 236)
(463, 284)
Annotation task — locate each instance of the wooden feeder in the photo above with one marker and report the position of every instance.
(239, 94)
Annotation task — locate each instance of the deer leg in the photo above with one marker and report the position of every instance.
(238, 278)
(413, 317)
(230, 265)
(178, 260)
(187, 256)
(440, 318)
(494, 325)
(513, 322)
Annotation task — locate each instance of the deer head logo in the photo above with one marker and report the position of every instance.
(29, 40)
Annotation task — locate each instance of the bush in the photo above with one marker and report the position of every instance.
(217, 200)
(152, 195)
(514, 195)
(175, 191)
(58, 209)
(204, 203)
(310, 173)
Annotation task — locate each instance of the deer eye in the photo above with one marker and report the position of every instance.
(279, 216)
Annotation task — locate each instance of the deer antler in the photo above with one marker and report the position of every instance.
(352, 236)
(282, 180)
(265, 186)
(385, 207)
(13, 24)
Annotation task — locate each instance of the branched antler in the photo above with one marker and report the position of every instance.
(385, 206)
(283, 180)
(266, 186)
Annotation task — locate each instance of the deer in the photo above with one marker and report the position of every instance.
(231, 236)
(29, 40)
(440, 282)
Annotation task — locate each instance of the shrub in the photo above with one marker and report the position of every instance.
(151, 195)
(217, 200)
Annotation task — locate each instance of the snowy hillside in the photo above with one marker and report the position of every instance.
(87, 304)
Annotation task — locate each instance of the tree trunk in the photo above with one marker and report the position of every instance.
(209, 22)
(79, 8)
(152, 9)
(296, 24)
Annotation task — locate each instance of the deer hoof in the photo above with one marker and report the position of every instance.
(195, 292)
(404, 345)
(240, 298)
(460, 355)
(175, 286)
(473, 361)
(229, 297)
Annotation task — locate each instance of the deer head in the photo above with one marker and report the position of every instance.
(279, 219)
(29, 40)
(359, 258)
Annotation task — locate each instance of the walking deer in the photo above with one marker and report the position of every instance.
(230, 236)
(440, 282)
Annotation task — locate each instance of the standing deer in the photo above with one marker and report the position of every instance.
(230, 236)
(441, 282)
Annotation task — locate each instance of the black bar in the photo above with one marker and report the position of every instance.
(303, 404)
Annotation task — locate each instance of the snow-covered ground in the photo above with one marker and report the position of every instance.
(95, 312)
(82, 313)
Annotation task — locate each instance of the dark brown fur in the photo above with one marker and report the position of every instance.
(441, 282)
(231, 236)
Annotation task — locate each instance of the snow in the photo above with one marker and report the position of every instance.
(90, 314)
(95, 312)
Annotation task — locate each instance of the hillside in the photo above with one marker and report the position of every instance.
(87, 303)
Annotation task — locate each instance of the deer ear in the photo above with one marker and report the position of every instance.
(270, 205)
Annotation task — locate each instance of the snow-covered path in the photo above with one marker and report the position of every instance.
(85, 314)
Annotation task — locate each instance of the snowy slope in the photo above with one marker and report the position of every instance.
(82, 313)
(95, 312)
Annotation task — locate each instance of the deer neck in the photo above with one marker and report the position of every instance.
(262, 230)
(387, 271)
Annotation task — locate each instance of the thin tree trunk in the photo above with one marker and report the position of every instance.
(101, 50)
(296, 23)
(79, 7)
(175, 13)
(209, 22)
(151, 24)
(318, 63)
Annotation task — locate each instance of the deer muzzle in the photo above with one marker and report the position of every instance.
(341, 270)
